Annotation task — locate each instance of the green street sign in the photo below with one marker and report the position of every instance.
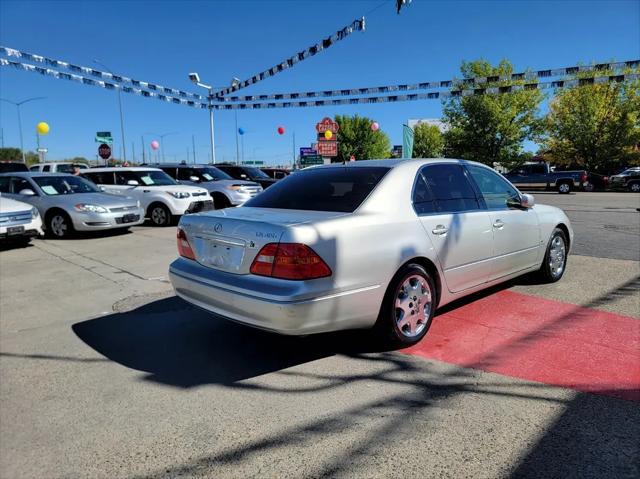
(253, 162)
(311, 160)
(104, 137)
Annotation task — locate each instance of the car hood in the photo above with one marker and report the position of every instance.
(184, 188)
(100, 199)
(217, 183)
(7, 205)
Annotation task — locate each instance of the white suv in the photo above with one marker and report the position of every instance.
(160, 195)
(57, 167)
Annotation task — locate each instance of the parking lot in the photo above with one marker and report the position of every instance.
(105, 373)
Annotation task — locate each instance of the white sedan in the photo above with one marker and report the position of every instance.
(378, 244)
(19, 222)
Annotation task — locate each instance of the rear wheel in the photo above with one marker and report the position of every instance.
(408, 307)
(635, 187)
(160, 215)
(555, 258)
(564, 188)
(59, 225)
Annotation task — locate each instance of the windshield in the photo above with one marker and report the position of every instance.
(630, 171)
(211, 174)
(340, 189)
(256, 173)
(64, 185)
(153, 178)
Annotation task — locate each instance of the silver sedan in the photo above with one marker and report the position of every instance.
(70, 203)
(377, 244)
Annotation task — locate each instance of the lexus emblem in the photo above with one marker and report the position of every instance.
(218, 227)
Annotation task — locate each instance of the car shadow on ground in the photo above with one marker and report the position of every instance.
(183, 346)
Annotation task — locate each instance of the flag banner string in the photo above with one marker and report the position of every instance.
(356, 25)
(557, 84)
(11, 52)
(459, 84)
(462, 83)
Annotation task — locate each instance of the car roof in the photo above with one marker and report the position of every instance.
(178, 165)
(108, 169)
(34, 174)
(393, 163)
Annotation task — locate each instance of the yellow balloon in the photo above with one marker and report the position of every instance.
(42, 128)
(328, 134)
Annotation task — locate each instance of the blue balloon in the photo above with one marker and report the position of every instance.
(241, 131)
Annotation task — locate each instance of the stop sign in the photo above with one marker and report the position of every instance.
(104, 151)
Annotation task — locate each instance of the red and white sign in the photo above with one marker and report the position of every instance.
(327, 124)
(328, 148)
(104, 151)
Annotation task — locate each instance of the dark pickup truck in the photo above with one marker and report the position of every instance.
(539, 175)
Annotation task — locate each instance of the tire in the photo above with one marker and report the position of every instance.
(555, 258)
(220, 201)
(408, 307)
(59, 225)
(160, 215)
(634, 187)
(564, 188)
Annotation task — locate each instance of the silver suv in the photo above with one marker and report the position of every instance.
(224, 190)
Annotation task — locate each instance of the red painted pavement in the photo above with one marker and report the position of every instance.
(540, 340)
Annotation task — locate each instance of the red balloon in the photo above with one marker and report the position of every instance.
(280, 130)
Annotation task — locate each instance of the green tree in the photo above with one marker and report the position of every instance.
(491, 127)
(355, 137)
(595, 127)
(10, 154)
(15, 154)
(428, 141)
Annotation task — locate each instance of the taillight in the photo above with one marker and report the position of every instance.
(289, 261)
(184, 248)
(583, 178)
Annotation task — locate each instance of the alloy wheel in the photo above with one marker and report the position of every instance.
(413, 306)
(557, 256)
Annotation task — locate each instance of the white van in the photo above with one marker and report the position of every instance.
(57, 167)
(160, 195)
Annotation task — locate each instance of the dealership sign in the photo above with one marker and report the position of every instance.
(327, 147)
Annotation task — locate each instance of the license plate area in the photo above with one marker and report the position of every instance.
(15, 230)
(224, 254)
(130, 218)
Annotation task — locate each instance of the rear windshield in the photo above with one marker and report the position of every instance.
(12, 167)
(340, 189)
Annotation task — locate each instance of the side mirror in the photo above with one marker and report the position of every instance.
(27, 192)
(195, 179)
(527, 201)
(132, 183)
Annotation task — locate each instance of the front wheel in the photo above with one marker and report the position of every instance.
(555, 258)
(160, 215)
(408, 307)
(59, 225)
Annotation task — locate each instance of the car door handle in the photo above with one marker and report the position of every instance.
(439, 230)
(498, 224)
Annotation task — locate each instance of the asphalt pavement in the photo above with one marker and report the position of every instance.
(105, 373)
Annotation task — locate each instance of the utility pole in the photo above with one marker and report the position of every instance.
(193, 145)
(18, 105)
(143, 155)
(237, 147)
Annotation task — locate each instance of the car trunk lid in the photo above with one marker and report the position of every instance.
(229, 239)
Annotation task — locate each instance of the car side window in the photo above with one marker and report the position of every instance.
(450, 188)
(185, 174)
(101, 178)
(19, 184)
(46, 168)
(4, 184)
(34, 168)
(538, 169)
(171, 171)
(123, 176)
(496, 191)
(422, 198)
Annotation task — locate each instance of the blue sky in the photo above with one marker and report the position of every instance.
(161, 41)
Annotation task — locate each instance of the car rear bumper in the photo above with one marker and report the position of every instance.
(329, 311)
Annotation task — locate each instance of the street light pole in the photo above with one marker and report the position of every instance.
(18, 105)
(213, 149)
(124, 151)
